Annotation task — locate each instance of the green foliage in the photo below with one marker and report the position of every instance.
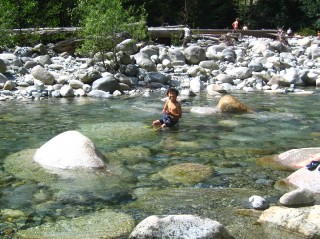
(307, 32)
(311, 8)
(104, 24)
(177, 38)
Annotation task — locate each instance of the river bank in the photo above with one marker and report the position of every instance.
(249, 64)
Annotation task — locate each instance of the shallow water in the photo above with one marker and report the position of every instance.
(227, 142)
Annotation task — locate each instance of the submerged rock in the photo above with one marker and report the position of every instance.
(215, 203)
(103, 224)
(186, 173)
(68, 150)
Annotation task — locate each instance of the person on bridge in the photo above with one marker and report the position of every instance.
(187, 36)
(235, 25)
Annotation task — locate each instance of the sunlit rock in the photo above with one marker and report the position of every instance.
(181, 226)
(302, 178)
(230, 104)
(298, 197)
(288, 159)
(69, 150)
(304, 221)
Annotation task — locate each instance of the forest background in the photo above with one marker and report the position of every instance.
(300, 15)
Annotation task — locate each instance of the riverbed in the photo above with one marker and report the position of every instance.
(119, 127)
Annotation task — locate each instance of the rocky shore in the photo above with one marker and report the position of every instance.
(249, 64)
(214, 68)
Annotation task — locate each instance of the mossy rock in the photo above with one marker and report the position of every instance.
(221, 204)
(22, 166)
(186, 173)
(103, 224)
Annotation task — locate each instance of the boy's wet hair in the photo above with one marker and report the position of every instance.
(173, 90)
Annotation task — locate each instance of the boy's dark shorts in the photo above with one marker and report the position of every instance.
(169, 121)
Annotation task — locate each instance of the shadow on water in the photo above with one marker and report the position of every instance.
(228, 143)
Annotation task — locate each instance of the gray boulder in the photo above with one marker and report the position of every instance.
(66, 91)
(258, 202)
(42, 75)
(150, 50)
(107, 83)
(239, 72)
(209, 65)
(128, 45)
(123, 57)
(179, 226)
(176, 55)
(144, 62)
(156, 77)
(76, 84)
(229, 55)
(131, 70)
(30, 64)
(194, 54)
(44, 59)
(298, 197)
(41, 49)
(89, 76)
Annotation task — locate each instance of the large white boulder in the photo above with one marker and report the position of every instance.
(303, 222)
(69, 150)
(179, 226)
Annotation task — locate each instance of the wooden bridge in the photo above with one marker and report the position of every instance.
(168, 32)
(160, 32)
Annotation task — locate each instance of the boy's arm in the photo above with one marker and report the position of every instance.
(165, 108)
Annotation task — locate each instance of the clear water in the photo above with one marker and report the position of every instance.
(230, 143)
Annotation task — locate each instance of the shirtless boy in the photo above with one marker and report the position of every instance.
(171, 111)
(235, 25)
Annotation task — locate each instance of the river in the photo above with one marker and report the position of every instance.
(229, 143)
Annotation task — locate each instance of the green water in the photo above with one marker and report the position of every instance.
(229, 143)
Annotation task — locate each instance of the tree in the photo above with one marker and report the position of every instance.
(312, 9)
(15, 14)
(104, 22)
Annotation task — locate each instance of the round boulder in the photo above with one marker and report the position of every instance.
(69, 150)
(42, 75)
(229, 104)
(195, 54)
(181, 226)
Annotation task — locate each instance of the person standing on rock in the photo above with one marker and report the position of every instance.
(187, 36)
(172, 111)
(235, 25)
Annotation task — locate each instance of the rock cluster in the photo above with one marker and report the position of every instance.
(297, 209)
(252, 64)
